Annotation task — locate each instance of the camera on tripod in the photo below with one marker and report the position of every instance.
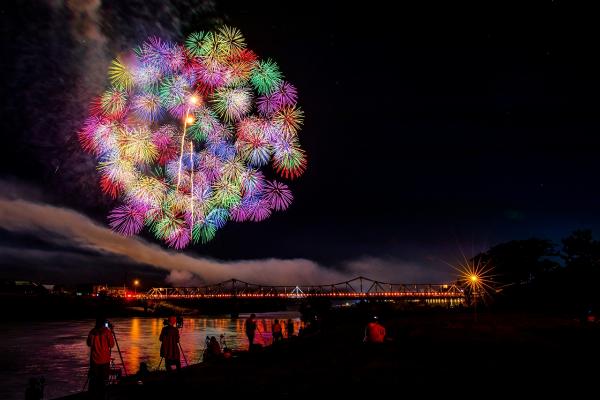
(108, 324)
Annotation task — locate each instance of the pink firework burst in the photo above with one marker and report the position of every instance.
(176, 58)
(286, 95)
(278, 195)
(260, 210)
(127, 219)
(211, 73)
(179, 238)
(240, 213)
(268, 104)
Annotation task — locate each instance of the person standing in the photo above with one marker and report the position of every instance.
(276, 331)
(250, 330)
(100, 340)
(290, 328)
(169, 348)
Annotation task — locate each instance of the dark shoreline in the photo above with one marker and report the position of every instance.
(57, 307)
(435, 351)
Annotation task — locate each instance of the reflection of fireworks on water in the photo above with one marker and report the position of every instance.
(178, 143)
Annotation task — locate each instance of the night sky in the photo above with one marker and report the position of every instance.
(429, 131)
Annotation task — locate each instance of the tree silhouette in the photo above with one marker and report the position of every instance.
(581, 255)
(520, 261)
(581, 252)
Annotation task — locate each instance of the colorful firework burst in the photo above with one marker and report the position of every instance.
(179, 145)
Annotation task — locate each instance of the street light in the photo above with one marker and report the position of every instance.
(136, 283)
(476, 276)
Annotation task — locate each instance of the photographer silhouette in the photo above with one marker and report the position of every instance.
(169, 348)
(101, 341)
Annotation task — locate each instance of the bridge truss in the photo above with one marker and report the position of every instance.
(357, 288)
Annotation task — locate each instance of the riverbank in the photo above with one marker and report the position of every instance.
(432, 352)
(52, 307)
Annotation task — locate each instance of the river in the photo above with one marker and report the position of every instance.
(57, 350)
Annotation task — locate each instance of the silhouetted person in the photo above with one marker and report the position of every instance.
(374, 332)
(277, 331)
(169, 348)
(213, 351)
(250, 330)
(226, 350)
(290, 328)
(142, 373)
(100, 340)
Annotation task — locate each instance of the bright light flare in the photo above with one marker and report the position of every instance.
(476, 275)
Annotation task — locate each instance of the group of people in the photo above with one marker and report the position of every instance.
(216, 350)
(101, 340)
(276, 330)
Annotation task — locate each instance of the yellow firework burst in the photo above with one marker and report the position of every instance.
(120, 75)
(231, 39)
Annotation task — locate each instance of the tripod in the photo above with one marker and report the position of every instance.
(183, 354)
(184, 358)
(119, 350)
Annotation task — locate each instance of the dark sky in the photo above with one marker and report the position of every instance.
(428, 130)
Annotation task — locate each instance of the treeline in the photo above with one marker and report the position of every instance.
(543, 274)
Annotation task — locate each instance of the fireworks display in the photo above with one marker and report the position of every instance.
(183, 131)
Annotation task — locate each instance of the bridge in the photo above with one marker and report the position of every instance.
(357, 288)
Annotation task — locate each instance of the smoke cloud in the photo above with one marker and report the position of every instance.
(55, 224)
(63, 226)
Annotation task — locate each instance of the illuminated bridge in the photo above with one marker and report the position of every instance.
(357, 288)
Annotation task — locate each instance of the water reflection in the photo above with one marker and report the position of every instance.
(57, 350)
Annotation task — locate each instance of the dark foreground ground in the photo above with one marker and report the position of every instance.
(429, 354)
